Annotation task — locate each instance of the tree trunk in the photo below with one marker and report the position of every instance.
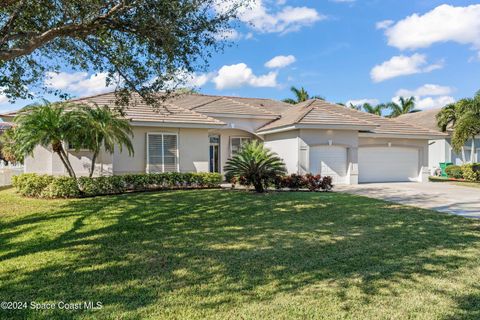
(64, 157)
(472, 154)
(258, 185)
(92, 167)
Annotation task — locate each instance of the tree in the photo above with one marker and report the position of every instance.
(377, 110)
(141, 45)
(256, 164)
(405, 105)
(102, 127)
(48, 125)
(464, 117)
(9, 147)
(301, 95)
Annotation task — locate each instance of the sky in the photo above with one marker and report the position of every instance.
(344, 50)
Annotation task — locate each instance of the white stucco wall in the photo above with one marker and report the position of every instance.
(286, 145)
(192, 145)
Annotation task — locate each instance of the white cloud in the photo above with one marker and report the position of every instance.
(280, 61)
(288, 19)
(78, 82)
(384, 24)
(360, 102)
(192, 80)
(429, 102)
(238, 75)
(228, 35)
(442, 24)
(425, 90)
(402, 65)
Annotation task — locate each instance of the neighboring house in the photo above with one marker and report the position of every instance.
(198, 133)
(440, 150)
(5, 126)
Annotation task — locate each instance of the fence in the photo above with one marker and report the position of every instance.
(7, 172)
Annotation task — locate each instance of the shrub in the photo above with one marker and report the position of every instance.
(61, 187)
(308, 181)
(471, 172)
(45, 186)
(31, 184)
(454, 172)
(256, 164)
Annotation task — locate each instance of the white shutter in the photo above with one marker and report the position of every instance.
(170, 153)
(155, 159)
(162, 153)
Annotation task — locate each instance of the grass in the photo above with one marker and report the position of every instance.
(455, 182)
(214, 254)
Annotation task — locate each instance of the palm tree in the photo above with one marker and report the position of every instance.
(256, 164)
(405, 105)
(301, 95)
(377, 110)
(47, 125)
(102, 127)
(464, 117)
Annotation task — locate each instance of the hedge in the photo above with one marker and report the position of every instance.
(46, 186)
(469, 172)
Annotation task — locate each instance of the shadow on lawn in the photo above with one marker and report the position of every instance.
(208, 248)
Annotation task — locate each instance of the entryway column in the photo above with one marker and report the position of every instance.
(352, 160)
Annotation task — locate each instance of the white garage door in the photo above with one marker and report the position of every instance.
(384, 164)
(329, 161)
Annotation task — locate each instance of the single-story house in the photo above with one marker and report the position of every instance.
(440, 150)
(198, 133)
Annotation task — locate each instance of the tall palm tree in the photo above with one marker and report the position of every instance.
(377, 110)
(47, 125)
(464, 117)
(405, 105)
(102, 127)
(301, 95)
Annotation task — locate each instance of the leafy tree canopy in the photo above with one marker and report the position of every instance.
(301, 95)
(140, 44)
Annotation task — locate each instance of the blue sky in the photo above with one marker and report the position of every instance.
(344, 50)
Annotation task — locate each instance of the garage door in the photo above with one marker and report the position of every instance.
(329, 161)
(383, 164)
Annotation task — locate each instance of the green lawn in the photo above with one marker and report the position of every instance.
(234, 255)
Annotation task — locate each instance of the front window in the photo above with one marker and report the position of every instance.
(162, 152)
(236, 143)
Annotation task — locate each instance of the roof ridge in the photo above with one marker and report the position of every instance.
(249, 105)
(415, 126)
(205, 103)
(304, 114)
(329, 110)
(91, 96)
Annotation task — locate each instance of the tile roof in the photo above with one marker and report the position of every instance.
(323, 113)
(230, 105)
(426, 119)
(166, 112)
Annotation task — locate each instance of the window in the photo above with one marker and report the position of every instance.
(162, 152)
(236, 143)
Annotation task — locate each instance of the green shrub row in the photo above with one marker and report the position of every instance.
(469, 172)
(46, 186)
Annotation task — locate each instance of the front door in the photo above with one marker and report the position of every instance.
(214, 153)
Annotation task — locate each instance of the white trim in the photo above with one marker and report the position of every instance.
(240, 116)
(393, 135)
(147, 169)
(317, 126)
(175, 125)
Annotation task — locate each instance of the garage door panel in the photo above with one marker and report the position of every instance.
(329, 161)
(388, 164)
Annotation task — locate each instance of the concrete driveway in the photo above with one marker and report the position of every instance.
(443, 197)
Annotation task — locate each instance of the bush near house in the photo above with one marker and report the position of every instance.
(46, 186)
(308, 181)
(469, 172)
(454, 172)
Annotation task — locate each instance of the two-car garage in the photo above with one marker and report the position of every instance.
(388, 164)
(375, 163)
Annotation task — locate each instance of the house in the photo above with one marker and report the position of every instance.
(198, 133)
(440, 150)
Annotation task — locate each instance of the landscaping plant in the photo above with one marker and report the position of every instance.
(256, 164)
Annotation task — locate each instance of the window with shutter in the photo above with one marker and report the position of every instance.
(162, 153)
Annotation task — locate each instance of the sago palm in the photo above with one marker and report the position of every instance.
(47, 125)
(256, 164)
(102, 127)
